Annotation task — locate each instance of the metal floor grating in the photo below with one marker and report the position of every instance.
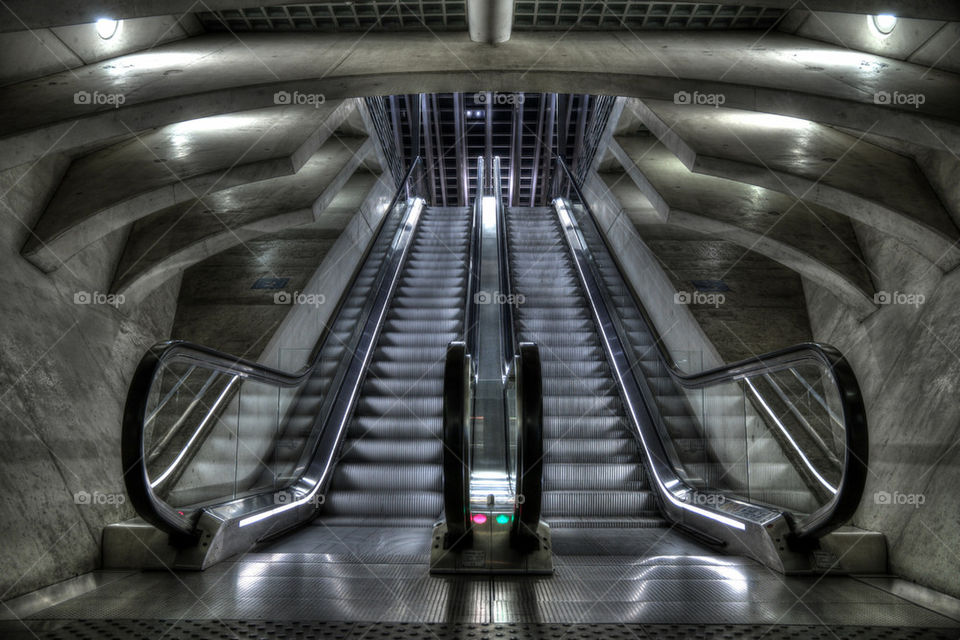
(200, 630)
(643, 583)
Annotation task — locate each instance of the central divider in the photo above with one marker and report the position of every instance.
(492, 419)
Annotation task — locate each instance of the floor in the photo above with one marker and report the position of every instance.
(642, 578)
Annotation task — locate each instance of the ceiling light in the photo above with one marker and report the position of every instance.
(884, 23)
(107, 28)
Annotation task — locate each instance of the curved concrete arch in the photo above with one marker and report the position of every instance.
(851, 287)
(142, 283)
(800, 262)
(213, 74)
(140, 280)
(935, 244)
(69, 224)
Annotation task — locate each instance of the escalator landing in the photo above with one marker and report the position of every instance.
(652, 577)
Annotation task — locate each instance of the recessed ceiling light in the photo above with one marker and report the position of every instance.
(107, 28)
(884, 23)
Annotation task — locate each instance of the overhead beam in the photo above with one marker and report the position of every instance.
(212, 77)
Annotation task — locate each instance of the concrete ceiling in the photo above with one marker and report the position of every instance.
(193, 143)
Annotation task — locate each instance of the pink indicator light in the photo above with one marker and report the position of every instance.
(479, 518)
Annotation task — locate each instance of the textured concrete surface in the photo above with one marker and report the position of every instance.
(64, 368)
(906, 357)
(31, 54)
(764, 308)
(924, 41)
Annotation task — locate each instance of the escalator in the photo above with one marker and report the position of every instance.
(389, 471)
(737, 456)
(594, 475)
(222, 453)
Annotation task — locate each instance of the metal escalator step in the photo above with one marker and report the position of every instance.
(585, 427)
(394, 428)
(586, 476)
(366, 476)
(402, 388)
(582, 405)
(577, 368)
(413, 314)
(398, 353)
(414, 370)
(563, 450)
(599, 503)
(422, 340)
(419, 450)
(582, 386)
(383, 504)
(389, 472)
(402, 406)
(601, 522)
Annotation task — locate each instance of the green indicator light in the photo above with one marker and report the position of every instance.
(503, 518)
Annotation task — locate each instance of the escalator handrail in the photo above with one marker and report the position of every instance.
(456, 445)
(136, 480)
(529, 445)
(844, 503)
(511, 343)
(470, 328)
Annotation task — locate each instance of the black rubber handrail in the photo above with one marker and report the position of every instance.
(180, 522)
(456, 446)
(526, 519)
(839, 509)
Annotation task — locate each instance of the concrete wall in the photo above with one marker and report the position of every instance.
(907, 360)
(64, 369)
(302, 326)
